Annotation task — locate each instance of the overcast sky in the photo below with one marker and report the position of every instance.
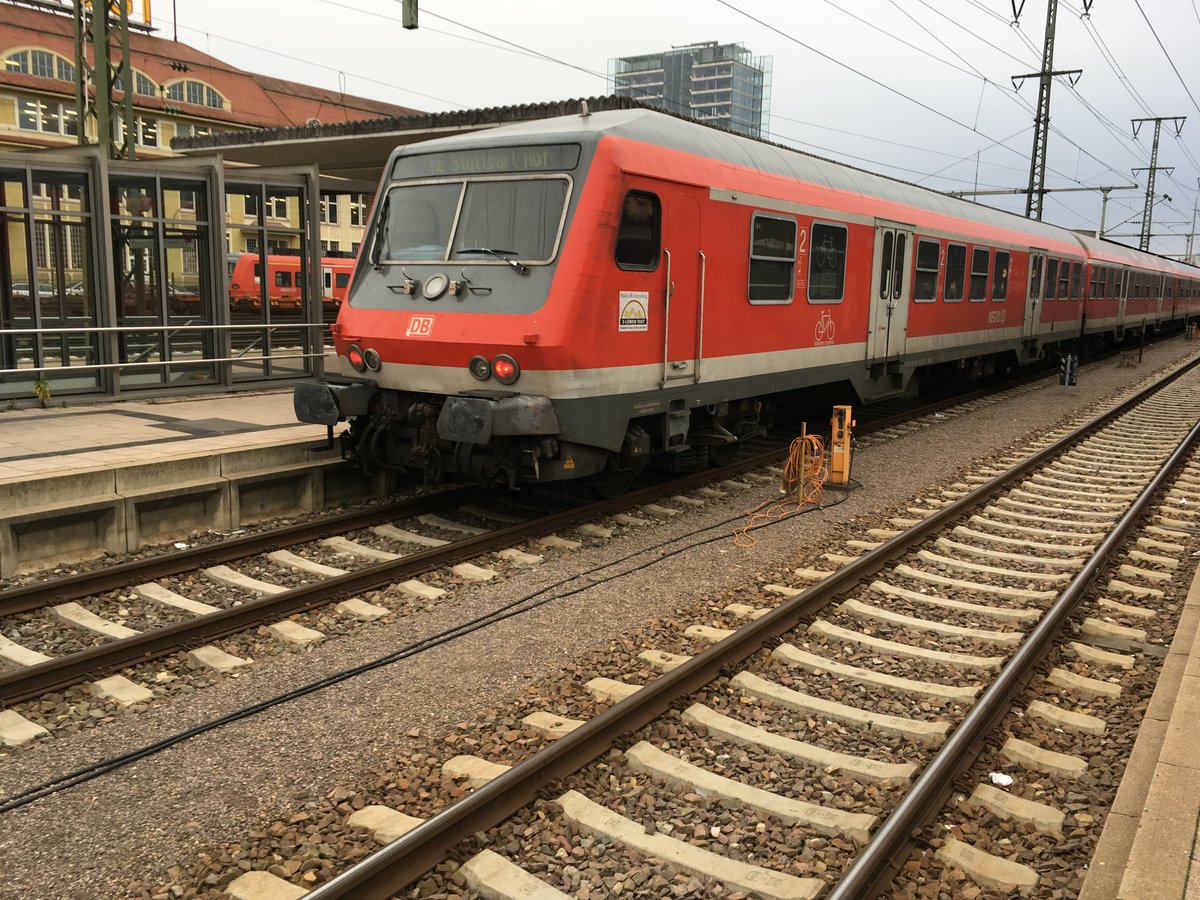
(917, 89)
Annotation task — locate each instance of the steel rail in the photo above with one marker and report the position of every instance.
(42, 594)
(391, 869)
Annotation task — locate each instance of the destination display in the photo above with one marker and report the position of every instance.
(487, 161)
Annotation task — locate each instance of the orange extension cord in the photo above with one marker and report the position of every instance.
(804, 477)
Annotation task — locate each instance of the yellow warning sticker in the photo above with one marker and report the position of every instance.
(570, 463)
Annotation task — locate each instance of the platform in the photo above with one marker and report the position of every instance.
(83, 481)
(38, 442)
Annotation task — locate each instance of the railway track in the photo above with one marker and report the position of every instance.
(880, 682)
(61, 632)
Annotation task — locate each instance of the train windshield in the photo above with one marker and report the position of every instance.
(517, 218)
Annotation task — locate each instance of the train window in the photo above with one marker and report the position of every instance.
(283, 279)
(1035, 275)
(827, 263)
(341, 279)
(885, 263)
(925, 287)
(1064, 279)
(956, 270)
(772, 259)
(1051, 279)
(1076, 280)
(418, 220)
(519, 216)
(1000, 276)
(638, 233)
(898, 266)
(980, 258)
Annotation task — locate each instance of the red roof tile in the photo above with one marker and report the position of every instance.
(254, 100)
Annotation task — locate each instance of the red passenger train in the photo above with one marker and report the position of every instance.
(285, 281)
(566, 298)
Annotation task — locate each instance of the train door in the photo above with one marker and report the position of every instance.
(1123, 298)
(326, 283)
(890, 289)
(1033, 296)
(683, 290)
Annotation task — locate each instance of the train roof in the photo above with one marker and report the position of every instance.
(1122, 255)
(678, 133)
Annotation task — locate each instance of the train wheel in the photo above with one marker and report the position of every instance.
(612, 482)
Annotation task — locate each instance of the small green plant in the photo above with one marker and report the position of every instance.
(41, 390)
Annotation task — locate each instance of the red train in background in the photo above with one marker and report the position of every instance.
(566, 298)
(285, 281)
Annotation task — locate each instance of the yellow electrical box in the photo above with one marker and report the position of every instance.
(839, 445)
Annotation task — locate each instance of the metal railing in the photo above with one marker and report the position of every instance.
(168, 330)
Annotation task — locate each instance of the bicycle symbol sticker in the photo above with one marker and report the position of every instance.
(824, 329)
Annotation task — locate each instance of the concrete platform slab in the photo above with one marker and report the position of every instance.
(113, 476)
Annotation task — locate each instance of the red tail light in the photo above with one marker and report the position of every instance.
(505, 369)
(355, 355)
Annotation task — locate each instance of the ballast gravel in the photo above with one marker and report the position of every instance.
(193, 815)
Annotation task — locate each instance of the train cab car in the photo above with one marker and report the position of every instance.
(284, 288)
(565, 298)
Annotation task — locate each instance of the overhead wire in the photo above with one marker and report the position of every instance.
(1174, 68)
(957, 24)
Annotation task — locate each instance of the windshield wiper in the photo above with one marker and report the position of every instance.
(523, 269)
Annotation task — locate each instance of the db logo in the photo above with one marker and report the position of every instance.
(419, 326)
